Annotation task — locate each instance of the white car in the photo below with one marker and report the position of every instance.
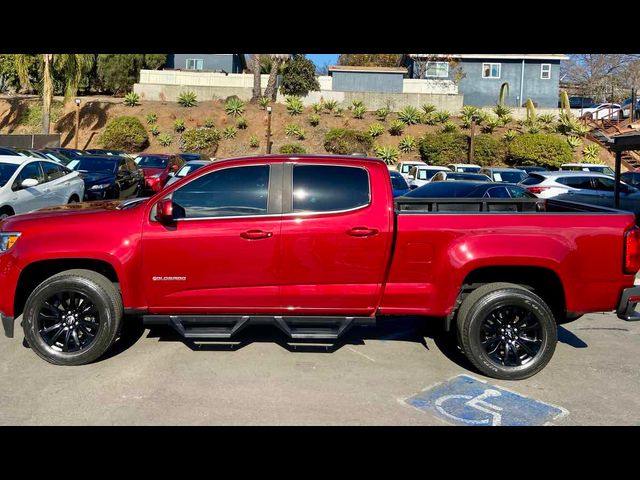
(404, 167)
(584, 187)
(422, 174)
(464, 167)
(588, 167)
(28, 184)
(602, 110)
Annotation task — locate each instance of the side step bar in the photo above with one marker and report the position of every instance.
(226, 326)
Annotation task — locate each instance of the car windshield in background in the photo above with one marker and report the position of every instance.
(469, 169)
(604, 169)
(426, 174)
(507, 176)
(468, 176)
(187, 169)
(6, 171)
(94, 165)
(151, 161)
(443, 189)
(398, 182)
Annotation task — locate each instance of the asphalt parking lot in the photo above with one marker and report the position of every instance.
(154, 378)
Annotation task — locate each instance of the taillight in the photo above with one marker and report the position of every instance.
(632, 251)
(537, 190)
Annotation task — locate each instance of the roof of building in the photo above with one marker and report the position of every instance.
(353, 68)
(501, 56)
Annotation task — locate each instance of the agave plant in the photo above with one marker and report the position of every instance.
(428, 118)
(547, 118)
(397, 127)
(164, 139)
(208, 123)
(409, 115)
(358, 111)
(264, 102)
(187, 99)
(152, 118)
(469, 111)
(574, 142)
(383, 113)
(387, 153)
(294, 130)
(254, 142)
(314, 120)
(509, 136)
(234, 106)
(449, 127)
(502, 111)
(131, 99)
(428, 108)
(375, 130)
(317, 107)
(179, 125)
(590, 152)
(338, 111)
(242, 123)
(491, 124)
(155, 131)
(294, 105)
(357, 103)
(330, 105)
(230, 132)
(407, 144)
(442, 116)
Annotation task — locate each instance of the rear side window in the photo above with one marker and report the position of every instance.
(532, 180)
(576, 182)
(520, 192)
(497, 192)
(52, 171)
(329, 188)
(230, 192)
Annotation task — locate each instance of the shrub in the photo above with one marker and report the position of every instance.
(492, 124)
(292, 149)
(407, 144)
(540, 149)
(383, 113)
(314, 120)
(299, 77)
(574, 142)
(317, 107)
(442, 116)
(428, 118)
(357, 103)
(443, 148)
(164, 139)
(397, 127)
(359, 111)
(389, 154)
(338, 112)
(449, 127)
(509, 135)
(264, 102)
(428, 108)
(488, 150)
(152, 118)
(187, 99)
(131, 99)
(344, 141)
(590, 153)
(294, 130)
(329, 105)
(409, 115)
(230, 132)
(209, 123)
(32, 117)
(294, 105)
(124, 133)
(155, 131)
(254, 142)
(117, 73)
(234, 106)
(179, 125)
(375, 130)
(201, 140)
(242, 123)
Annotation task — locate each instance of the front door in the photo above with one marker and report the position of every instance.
(27, 199)
(222, 254)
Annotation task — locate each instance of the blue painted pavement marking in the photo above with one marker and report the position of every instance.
(465, 400)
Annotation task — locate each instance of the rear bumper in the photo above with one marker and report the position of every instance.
(7, 325)
(627, 305)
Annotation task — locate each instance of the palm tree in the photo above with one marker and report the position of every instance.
(257, 85)
(277, 59)
(71, 67)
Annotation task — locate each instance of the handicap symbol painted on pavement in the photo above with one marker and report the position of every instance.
(465, 400)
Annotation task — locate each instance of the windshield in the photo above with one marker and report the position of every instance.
(398, 182)
(604, 169)
(151, 161)
(184, 171)
(469, 169)
(442, 189)
(424, 174)
(93, 165)
(507, 176)
(6, 172)
(468, 176)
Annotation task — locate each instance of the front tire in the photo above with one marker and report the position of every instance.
(73, 317)
(506, 331)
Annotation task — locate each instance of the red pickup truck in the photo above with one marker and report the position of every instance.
(315, 245)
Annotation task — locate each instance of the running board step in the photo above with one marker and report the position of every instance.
(226, 326)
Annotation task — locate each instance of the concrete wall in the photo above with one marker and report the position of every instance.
(520, 113)
(227, 62)
(363, 81)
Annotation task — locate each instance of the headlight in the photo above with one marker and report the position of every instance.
(7, 240)
(100, 187)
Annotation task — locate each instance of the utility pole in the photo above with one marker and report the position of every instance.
(472, 134)
(77, 122)
(269, 129)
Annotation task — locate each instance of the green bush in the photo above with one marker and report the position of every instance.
(443, 148)
(488, 150)
(234, 106)
(179, 125)
(344, 141)
(201, 140)
(359, 111)
(449, 127)
(428, 108)
(441, 116)
(116, 73)
(152, 118)
(294, 105)
(164, 139)
(314, 120)
(254, 142)
(396, 128)
(32, 116)
(292, 149)
(155, 131)
(299, 77)
(124, 133)
(383, 113)
(375, 130)
(187, 99)
(230, 132)
(264, 102)
(407, 144)
(209, 123)
(409, 115)
(540, 149)
(294, 130)
(329, 105)
(242, 123)
(388, 153)
(131, 99)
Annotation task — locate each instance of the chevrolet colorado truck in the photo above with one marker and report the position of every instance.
(314, 245)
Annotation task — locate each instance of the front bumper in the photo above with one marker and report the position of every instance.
(7, 324)
(627, 305)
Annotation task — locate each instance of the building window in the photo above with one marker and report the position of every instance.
(195, 64)
(437, 69)
(491, 70)
(545, 71)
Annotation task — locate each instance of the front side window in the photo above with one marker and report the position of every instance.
(497, 192)
(545, 71)
(33, 171)
(605, 184)
(437, 69)
(195, 64)
(329, 188)
(53, 171)
(516, 192)
(491, 70)
(230, 192)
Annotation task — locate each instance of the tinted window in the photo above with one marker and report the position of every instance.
(517, 192)
(532, 180)
(6, 172)
(508, 176)
(32, 170)
(468, 169)
(631, 177)
(224, 193)
(443, 189)
(468, 176)
(606, 184)
(152, 161)
(89, 164)
(497, 192)
(327, 188)
(397, 181)
(576, 182)
(52, 171)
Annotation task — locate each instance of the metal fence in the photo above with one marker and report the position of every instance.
(30, 141)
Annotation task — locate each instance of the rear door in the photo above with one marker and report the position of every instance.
(335, 237)
(59, 187)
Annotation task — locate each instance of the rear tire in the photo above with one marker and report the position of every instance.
(73, 199)
(506, 331)
(73, 317)
(5, 213)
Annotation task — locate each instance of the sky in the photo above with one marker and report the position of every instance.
(321, 58)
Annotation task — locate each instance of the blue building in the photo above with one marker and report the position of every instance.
(367, 79)
(480, 76)
(208, 62)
